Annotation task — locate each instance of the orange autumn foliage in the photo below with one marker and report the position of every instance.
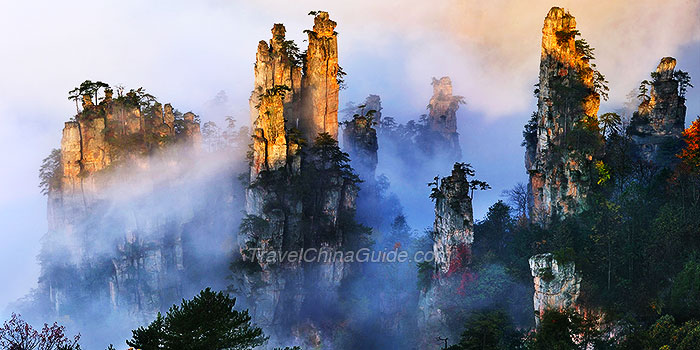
(691, 153)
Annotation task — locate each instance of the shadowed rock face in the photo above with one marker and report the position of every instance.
(567, 100)
(443, 107)
(557, 285)
(657, 126)
(360, 141)
(442, 136)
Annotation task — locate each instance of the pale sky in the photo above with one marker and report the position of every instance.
(186, 52)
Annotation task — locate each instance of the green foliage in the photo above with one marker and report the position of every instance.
(50, 172)
(584, 49)
(87, 88)
(563, 36)
(489, 329)
(643, 89)
(493, 234)
(558, 330)
(683, 82)
(664, 334)
(603, 172)
(684, 298)
(340, 78)
(277, 90)
(207, 322)
(151, 337)
(530, 131)
(610, 123)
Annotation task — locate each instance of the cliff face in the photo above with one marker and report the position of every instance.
(657, 126)
(453, 235)
(277, 64)
(301, 193)
(320, 81)
(557, 285)
(558, 162)
(126, 255)
(454, 223)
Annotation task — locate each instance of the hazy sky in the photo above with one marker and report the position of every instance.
(185, 52)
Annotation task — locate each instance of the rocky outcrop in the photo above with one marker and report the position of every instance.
(277, 64)
(453, 235)
(320, 81)
(454, 223)
(557, 285)
(360, 141)
(657, 126)
(558, 163)
(301, 192)
(101, 245)
(374, 103)
(442, 116)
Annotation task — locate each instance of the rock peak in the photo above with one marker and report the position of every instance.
(278, 30)
(323, 25)
(442, 86)
(658, 124)
(666, 68)
(558, 34)
(565, 71)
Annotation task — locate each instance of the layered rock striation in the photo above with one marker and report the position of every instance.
(320, 81)
(562, 138)
(657, 125)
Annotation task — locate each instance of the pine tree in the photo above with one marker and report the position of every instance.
(207, 322)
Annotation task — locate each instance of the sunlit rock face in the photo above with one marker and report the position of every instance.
(320, 81)
(557, 285)
(454, 223)
(108, 248)
(269, 138)
(567, 103)
(277, 64)
(657, 126)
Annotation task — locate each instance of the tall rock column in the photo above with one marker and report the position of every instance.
(320, 82)
(454, 221)
(658, 124)
(442, 116)
(277, 65)
(567, 105)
